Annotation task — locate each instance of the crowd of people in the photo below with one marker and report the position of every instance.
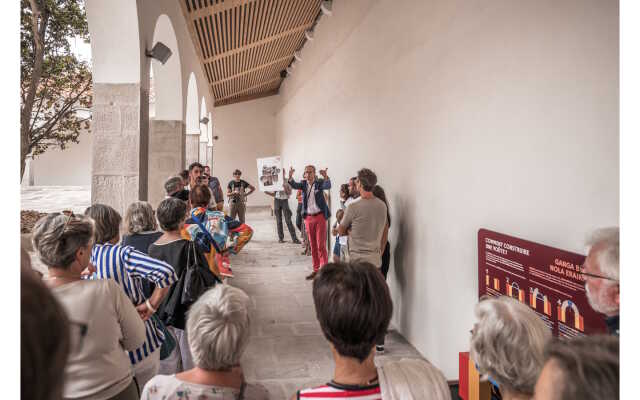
(152, 316)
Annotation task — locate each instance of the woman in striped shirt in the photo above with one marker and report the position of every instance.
(128, 268)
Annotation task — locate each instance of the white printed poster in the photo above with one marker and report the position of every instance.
(270, 174)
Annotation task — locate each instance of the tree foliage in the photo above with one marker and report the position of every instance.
(54, 83)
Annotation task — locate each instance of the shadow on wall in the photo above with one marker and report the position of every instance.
(403, 259)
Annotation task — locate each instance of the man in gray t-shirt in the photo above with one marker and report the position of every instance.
(364, 222)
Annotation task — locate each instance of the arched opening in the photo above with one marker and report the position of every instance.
(192, 122)
(118, 167)
(210, 142)
(166, 127)
(202, 145)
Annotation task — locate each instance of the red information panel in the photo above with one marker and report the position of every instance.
(546, 279)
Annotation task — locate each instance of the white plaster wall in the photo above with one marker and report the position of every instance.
(246, 132)
(474, 114)
(68, 167)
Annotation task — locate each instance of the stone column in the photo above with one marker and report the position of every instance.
(192, 149)
(210, 156)
(166, 155)
(203, 153)
(118, 177)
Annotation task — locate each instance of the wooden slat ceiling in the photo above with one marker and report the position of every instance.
(243, 45)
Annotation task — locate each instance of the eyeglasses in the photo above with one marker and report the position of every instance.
(599, 276)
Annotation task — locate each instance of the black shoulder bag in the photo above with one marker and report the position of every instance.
(198, 278)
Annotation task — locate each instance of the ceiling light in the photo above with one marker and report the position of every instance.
(283, 74)
(159, 52)
(326, 7)
(309, 35)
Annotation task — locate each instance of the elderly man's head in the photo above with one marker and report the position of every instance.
(586, 368)
(173, 185)
(507, 343)
(218, 328)
(602, 271)
(309, 173)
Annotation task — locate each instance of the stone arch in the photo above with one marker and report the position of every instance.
(192, 121)
(119, 170)
(202, 145)
(166, 128)
(168, 76)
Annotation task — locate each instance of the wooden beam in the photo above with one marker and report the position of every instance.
(261, 84)
(257, 68)
(271, 92)
(196, 44)
(220, 7)
(269, 39)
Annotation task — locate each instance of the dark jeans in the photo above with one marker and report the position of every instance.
(280, 206)
(386, 260)
(299, 217)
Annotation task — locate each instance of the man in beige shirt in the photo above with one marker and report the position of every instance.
(364, 222)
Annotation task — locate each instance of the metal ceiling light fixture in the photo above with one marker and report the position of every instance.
(159, 52)
(283, 74)
(326, 7)
(204, 120)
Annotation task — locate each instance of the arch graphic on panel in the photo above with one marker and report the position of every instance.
(513, 290)
(534, 296)
(192, 121)
(578, 320)
(167, 77)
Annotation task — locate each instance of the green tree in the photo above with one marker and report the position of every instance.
(54, 83)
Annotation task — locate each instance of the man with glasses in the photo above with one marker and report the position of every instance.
(602, 273)
(237, 196)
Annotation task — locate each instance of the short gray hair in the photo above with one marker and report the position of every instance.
(412, 378)
(608, 239)
(508, 341)
(218, 327)
(57, 238)
(589, 367)
(173, 184)
(140, 217)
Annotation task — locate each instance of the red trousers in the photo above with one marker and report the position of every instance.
(316, 227)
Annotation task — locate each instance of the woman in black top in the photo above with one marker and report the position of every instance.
(174, 250)
(386, 254)
(142, 230)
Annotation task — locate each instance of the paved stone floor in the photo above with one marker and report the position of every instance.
(287, 350)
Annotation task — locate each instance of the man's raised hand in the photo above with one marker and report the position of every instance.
(323, 172)
(291, 171)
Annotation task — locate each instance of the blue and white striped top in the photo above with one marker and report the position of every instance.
(128, 267)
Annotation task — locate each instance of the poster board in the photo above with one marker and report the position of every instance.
(270, 174)
(547, 279)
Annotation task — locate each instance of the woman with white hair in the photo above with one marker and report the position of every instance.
(507, 345)
(412, 379)
(104, 320)
(218, 332)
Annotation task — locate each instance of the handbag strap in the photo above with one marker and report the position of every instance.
(204, 230)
